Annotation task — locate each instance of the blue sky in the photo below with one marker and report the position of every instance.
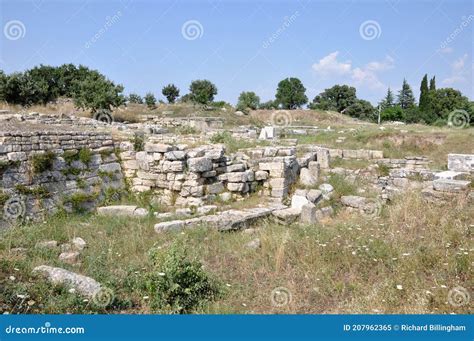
(247, 45)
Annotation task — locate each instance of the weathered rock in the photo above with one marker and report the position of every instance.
(174, 225)
(450, 185)
(122, 211)
(79, 243)
(314, 196)
(353, 201)
(83, 285)
(287, 215)
(308, 214)
(175, 155)
(298, 201)
(324, 212)
(326, 188)
(71, 257)
(199, 164)
(47, 244)
(306, 178)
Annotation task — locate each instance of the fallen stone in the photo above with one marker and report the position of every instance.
(83, 285)
(79, 243)
(353, 201)
(314, 196)
(47, 244)
(122, 211)
(298, 201)
(324, 212)
(174, 225)
(306, 178)
(206, 209)
(287, 215)
(308, 214)
(69, 257)
(451, 175)
(444, 185)
(326, 188)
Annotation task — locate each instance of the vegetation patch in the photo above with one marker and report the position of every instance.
(43, 162)
(39, 192)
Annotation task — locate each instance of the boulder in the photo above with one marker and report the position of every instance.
(326, 188)
(287, 215)
(444, 185)
(354, 201)
(71, 257)
(84, 285)
(122, 211)
(314, 196)
(306, 178)
(79, 243)
(298, 201)
(173, 225)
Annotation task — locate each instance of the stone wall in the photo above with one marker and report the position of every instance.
(193, 176)
(41, 171)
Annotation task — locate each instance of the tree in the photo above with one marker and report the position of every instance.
(388, 101)
(268, 105)
(202, 91)
(361, 109)
(446, 100)
(405, 96)
(337, 98)
(291, 93)
(3, 83)
(394, 113)
(150, 100)
(248, 100)
(433, 83)
(97, 92)
(424, 103)
(171, 92)
(135, 98)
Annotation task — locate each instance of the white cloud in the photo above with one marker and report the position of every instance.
(366, 75)
(329, 66)
(459, 73)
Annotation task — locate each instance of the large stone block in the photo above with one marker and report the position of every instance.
(200, 164)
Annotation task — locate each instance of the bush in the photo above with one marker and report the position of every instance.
(135, 98)
(180, 285)
(395, 113)
(150, 100)
(171, 92)
(43, 162)
(361, 109)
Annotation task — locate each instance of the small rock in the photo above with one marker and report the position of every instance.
(254, 244)
(308, 214)
(79, 243)
(173, 225)
(47, 244)
(69, 257)
(326, 188)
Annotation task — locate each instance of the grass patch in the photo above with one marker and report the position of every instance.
(43, 162)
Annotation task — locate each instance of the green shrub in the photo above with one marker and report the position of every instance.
(38, 191)
(138, 142)
(383, 170)
(43, 162)
(186, 130)
(180, 285)
(85, 156)
(80, 199)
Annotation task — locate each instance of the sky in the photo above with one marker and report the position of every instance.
(247, 45)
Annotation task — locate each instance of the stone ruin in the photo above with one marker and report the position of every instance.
(49, 163)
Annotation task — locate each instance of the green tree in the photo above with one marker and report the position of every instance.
(446, 100)
(424, 103)
(97, 92)
(362, 110)
(337, 98)
(405, 96)
(433, 83)
(248, 100)
(135, 98)
(202, 91)
(291, 93)
(394, 113)
(171, 92)
(268, 105)
(388, 101)
(3, 84)
(150, 100)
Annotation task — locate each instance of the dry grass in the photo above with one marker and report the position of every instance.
(349, 264)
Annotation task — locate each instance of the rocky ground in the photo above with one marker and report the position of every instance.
(325, 215)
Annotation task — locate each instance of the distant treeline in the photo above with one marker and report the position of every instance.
(91, 90)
